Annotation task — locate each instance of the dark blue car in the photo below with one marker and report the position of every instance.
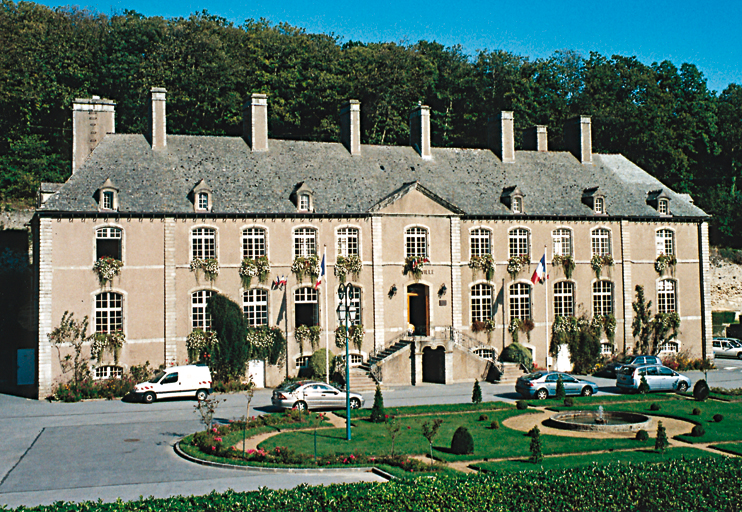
(542, 385)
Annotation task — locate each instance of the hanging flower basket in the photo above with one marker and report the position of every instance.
(306, 266)
(348, 265)
(111, 341)
(250, 268)
(200, 342)
(597, 262)
(664, 262)
(517, 263)
(487, 326)
(415, 265)
(305, 333)
(355, 336)
(210, 267)
(524, 325)
(267, 343)
(107, 268)
(484, 263)
(566, 262)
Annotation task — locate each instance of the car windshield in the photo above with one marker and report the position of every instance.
(290, 388)
(735, 342)
(627, 359)
(157, 377)
(532, 376)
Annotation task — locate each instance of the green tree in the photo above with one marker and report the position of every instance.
(378, 414)
(535, 447)
(430, 430)
(560, 393)
(661, 443)
(476, 395)
(72, 332)
(651, 332)
(229, 356)
(318, 363)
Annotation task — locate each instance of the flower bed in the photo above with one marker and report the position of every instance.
(414, 265)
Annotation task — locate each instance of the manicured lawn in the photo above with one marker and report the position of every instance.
(413, 410)
(735, 448)
(570, 461)
(607, 399)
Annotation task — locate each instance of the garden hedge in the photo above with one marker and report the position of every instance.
(704, 484)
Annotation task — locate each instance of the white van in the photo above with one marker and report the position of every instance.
(177, 381)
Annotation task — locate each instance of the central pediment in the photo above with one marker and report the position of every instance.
(414, 199)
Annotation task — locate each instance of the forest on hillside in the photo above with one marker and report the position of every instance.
(661, 116)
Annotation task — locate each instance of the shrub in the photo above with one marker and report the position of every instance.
(521, 405)
(569, 401)
(483, 417)
(476, 395)
(698, 431)
(462, 442)
(318, 363)
(642, 435)
(701, 390)
(229, 356)
(535, 448)
(696, 411)
(494, 425)
(718, 418)
(643, 386)
(560, 393)
(517, 353)
(377, 411)
(654, 407)
(661, 442)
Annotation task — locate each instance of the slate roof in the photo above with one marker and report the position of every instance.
(246, 182)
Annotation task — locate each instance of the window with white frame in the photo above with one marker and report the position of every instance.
(485, 353)
(302, 361)
(480, 242)
(108, 372)
(666, 299)
(108, 200)
(606, 349)
(599, 205)
(520, 301)
(253, 243)
(602, 298)
(199, 318)
(564, 298)
(354, 297)
(203, 243)
(671, 347)
(665, 242)
(481, 302)
(355, 359)
(518, 243)
(347, 239)
(663, 207)
(202, 201)
(416, 242)
(255, 306)
(305, 242)
(108, 242)
(517, 204)
(109, 312)
(306, 310)
(600, 242)
(305, 202)
(562, 242)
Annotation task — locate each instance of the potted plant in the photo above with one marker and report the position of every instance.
(306, 266)
(566, 262)
(484, 263)
(199, 342)
(106, 268)
(664, 261)
(107, 341)
(250, 268)
(209, 266)
(415, 265)
(355, 336)
(598, 261)
(517, 263)
(348, 265)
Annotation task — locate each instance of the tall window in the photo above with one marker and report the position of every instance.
(599, 205)
(562, 242)
(663, 207)
(416, 242)
(107, 200)
(255, 307)
(517, 204)
(520, 301)
(203, 243)
(305, 242)
(666, 299)
(518, 242)
(253, 243)
(481, 302)
(665, 242)
(480, 241)
(305, 203)
(600, 242)
(202, 201)
(109, 312)
(354, 293)
(108, 242)
(602, 298)
(305, 307)
(347, 242)
(564, 301)
(200, 320)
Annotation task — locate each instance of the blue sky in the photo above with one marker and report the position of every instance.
(706, 34)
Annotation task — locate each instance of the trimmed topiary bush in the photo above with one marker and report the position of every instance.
(642, 435)
(654, 407)
(483, 417)
(718, 418)
(318, 363)
(643, 386)
(696, 411)
(698, 431)
(560, 392)
(494, 425)
(569, 401)
(517, 353)
(476, 395)
(462, 442)
(535, 448)
(701, 390)
(521, 405)
(377, 411)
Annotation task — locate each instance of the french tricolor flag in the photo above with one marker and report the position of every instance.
(540, 274)
(321, 274)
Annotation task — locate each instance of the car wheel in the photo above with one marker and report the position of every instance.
(587, 391)
(300, 406)
(355, 403)
(201, 395)
(739, 355)
(149, 398)
(541, 394)
(682, 387)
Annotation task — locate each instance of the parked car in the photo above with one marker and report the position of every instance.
(542, 385)
(177, 381)
(304, 395)
(659, 378)
(727, 347)
(612, 368)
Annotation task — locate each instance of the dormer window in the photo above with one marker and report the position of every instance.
(108, 197)
(663, 206)
(660, 201)
(302, 197)
(517, 204)
(107, 200)
(512, 197)
(304, 202)
(201, 197)
(599, 205)
(594, 198)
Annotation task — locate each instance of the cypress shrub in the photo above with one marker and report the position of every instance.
(643, 386)
(377, 411)
(701, 390)
(462, 442)
(661, 442)
(535, 448)
(654, 407)
(476, 395)
(229, 356)
(696, 411)
(560, 393)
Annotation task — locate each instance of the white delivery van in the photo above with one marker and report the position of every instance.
(177, 381)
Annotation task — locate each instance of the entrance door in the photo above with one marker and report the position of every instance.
(417, 309)
(434, 365)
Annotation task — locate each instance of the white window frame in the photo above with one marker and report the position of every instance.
(200, 319)
(348, 241)
(517, 204)
(602, 299)
(606, 348)
(663, 206)
(109, 312)
(107, 371)
(303, 361)
(519, 242)
(110, 233)
(485, 353)
(203, 243)
(561, 239)
(480, 302)
(255, 306)
(667, 296)
(599, 205)
(305, 202)
(202, 201)
(416, 242)
(670, 347)
(564, 300)
(665, 242)
(305, 242)
(519, 301)
(254, 242)
(600, 242)
(108, 200)
(480, 241)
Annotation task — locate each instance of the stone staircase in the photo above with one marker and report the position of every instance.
(360, 376)
(510, 373)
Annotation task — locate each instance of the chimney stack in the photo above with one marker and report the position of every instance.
(501, 134)
(420, 131)
(157, 125)
(578, 138)
(350, 126)
(535, 139)
(92, 119)
(255, 122)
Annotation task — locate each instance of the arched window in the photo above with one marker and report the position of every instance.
(562, 242)
(481, 302)
(416, 242)
(305, 202)
(480, 242)
(347, 239)
(665, 242)
(602, 298)
(666, 299)
(518, 243)
(305, 307)
(108, 242)
(600, 242)
(305, 242)
(663, 207)
(520, 301)
(253, 243)
(109, 312)
(255, 306)
(203, 243)
(199, 318)
(564, 301)
(486, 353)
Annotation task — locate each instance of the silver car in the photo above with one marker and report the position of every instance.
(725, 347)
(305, 395)
(658, 377)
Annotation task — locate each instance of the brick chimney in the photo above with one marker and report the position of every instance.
(157, 124)
(420, 131)
(535, 139)
(255, 122)
(350, 126)
(578, 138)
(501, 136)
(92, 119)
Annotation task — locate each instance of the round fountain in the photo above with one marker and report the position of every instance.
(600, 421)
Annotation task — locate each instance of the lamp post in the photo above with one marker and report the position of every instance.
(346, 311)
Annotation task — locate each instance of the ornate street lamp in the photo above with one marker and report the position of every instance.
(346, 312)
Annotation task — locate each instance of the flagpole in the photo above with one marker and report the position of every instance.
(327, 322)
(546, 300)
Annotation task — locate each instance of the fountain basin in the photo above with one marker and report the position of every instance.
(589, 421)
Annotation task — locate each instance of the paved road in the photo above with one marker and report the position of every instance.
(114, 449)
